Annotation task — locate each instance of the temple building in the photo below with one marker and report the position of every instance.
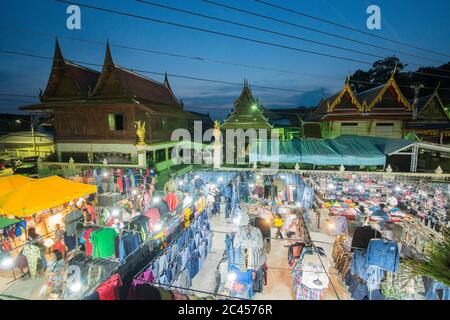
(115, 114)
(379, 112)
(431, 119)
(247, 113)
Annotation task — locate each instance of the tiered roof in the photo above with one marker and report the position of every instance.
(68, 80)
(70, 83)
(247, 112)
(117, 82)
(382, 101)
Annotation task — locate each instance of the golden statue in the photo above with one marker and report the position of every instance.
(140, 132)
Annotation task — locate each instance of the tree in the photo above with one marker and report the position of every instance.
(379, 73)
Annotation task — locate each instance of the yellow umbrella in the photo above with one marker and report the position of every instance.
(10, 183)
(41, 194)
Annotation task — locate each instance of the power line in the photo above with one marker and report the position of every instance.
(267, 43)
(223, 34)
(273, 32)
(349, 28)
(317, 30)
(196, 58)
(158, 73)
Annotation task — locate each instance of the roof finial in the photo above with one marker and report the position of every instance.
(57, 56)
(437, 87)
(394, 72)
(166, 79)
(347, 81)
(108, 57)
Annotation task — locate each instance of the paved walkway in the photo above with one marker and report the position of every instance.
(279, 284)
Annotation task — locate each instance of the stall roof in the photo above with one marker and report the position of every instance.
(10, 183)
(318, 152)
(356, 152)
(5, 222)
(42, 194)
(386, 145)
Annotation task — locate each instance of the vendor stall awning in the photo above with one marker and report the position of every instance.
(5, 222)
(317, 152)
(10, 183)
(42, 194)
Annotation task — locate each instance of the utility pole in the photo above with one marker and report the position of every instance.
(416, 89)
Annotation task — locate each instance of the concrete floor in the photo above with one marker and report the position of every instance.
(279, 284)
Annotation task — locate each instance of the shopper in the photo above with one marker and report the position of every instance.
(380, 213)
(278, 223)
(217, 201)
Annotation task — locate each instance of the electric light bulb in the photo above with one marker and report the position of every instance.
(75, 286)
(7, 262)
(231, 276)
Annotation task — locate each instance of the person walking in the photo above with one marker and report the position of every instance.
(278, 223)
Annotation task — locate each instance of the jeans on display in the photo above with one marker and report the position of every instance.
(359, 265)
(432, 293)
(227, 208)
(384, 254)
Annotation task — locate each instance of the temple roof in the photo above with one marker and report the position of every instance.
(247, 113)
(68, 80)
(118, 82)
(387, 97)
(432, 108)
(384, 100)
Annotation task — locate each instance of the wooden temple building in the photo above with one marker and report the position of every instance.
(382, 111)
(96, 114)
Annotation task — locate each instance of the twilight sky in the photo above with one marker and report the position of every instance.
(23, 24)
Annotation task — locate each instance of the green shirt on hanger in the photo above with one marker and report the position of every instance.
(103, 242)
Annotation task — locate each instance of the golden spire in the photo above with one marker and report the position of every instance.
(394, 72)
(216, 124)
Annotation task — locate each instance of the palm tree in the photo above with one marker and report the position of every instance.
(435, 264)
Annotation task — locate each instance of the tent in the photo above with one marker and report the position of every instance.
(5, 222)
(40, 194)
(387, 146)
(318, 152)
(10, 183)
(357, 152)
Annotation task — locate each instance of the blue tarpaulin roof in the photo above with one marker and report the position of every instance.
(385, 145)
(350, 152)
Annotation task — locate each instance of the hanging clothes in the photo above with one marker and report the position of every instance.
(34, 256)
(109, 290)
(171, 200)
(103, 242)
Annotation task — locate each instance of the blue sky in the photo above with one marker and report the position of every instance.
(422, 23)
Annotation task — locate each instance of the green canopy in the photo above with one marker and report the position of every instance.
(386, 145)
(5, 222)
(317, 152)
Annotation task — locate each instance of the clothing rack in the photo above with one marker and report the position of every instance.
(193, 290)
(164, 250)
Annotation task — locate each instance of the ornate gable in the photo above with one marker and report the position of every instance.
(434, 109)
(346, 99)
(388, 96)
